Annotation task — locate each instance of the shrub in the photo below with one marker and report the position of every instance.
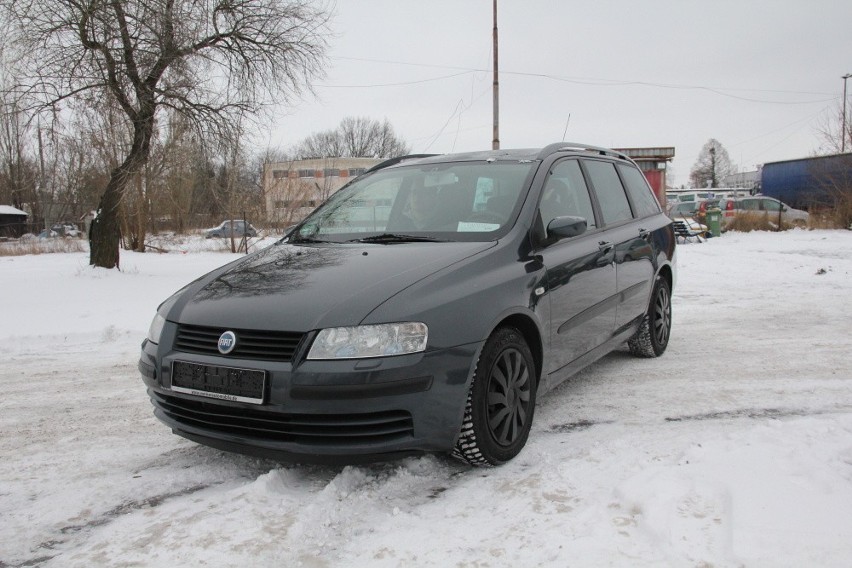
(747, 222)
(843, 211)
(23, 247)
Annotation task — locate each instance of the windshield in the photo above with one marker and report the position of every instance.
(469, 201)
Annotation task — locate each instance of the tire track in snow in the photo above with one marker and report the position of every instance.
(101, 520)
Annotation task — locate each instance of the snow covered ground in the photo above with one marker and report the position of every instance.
(733, 449)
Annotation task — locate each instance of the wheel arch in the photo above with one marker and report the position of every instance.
(667, 274)
(531, 334)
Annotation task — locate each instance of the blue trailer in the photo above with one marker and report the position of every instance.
(808, 182)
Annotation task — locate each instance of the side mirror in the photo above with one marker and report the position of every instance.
(565, 227)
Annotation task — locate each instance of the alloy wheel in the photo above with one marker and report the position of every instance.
(662, 316)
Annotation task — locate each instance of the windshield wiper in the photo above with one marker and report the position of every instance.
(301, 239)
(398, 238)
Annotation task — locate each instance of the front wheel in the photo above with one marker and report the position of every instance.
(501, 401)
(652, 337)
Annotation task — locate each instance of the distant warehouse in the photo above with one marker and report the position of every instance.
(809, 182)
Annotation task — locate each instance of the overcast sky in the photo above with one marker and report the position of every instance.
(759, 76)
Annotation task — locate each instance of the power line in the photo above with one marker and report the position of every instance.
(369, 86)
(786, 126)
(721, 91)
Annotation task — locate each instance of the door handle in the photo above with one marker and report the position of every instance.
(607, 253)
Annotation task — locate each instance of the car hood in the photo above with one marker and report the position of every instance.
(299, 288)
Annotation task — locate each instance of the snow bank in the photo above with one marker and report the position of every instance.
(735, 448)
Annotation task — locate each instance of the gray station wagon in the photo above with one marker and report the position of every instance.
(227, 229)
(423, 308)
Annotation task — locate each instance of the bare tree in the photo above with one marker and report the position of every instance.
(18, 169)
(230, 187)
(828, 131)
(174, 159)
(712, 165)
(208, 61)
(354, 138)
(84, 174)
(18, 165)
(76, 178)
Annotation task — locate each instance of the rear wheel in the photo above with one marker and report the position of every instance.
(501, 401)
(652, 338)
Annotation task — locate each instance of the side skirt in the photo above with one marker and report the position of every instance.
(559, 376)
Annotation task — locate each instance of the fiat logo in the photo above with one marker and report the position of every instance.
(227, 342)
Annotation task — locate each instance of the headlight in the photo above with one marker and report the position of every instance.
(369, 341)
(156, 328)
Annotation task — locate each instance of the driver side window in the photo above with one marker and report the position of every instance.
(565, 193)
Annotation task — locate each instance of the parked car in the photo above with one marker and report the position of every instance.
(48, 234)
(423, 308)
(238, 228)
(764, 207)
(727, 206)
(683, 209)
(701, 213)
(696, 195)
(59, 230)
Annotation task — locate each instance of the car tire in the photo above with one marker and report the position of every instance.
(500, 403)
(652, 337)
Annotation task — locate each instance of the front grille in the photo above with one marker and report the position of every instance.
(310, 429)
(251, 344)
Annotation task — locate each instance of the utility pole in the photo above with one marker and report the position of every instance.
(495, 142)
(843, 128)
(713, 181)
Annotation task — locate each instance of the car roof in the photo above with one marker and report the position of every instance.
(512, 155)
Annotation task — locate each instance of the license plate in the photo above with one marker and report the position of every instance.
(223, 383)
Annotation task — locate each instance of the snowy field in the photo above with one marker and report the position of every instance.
(733, 449)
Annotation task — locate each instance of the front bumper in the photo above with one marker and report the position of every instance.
(349, 411)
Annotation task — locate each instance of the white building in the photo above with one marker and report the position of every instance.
(294, 189)
(742, 180)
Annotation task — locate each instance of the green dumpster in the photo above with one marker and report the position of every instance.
(714, 221)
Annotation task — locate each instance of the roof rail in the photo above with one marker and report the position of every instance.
(393, 161)
(559, 146)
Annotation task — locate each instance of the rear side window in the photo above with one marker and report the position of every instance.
(640, 193)
(750, 205)
(610, 192)
(770, 205)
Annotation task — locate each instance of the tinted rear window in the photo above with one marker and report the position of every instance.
(644, 201)
(610, 192)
